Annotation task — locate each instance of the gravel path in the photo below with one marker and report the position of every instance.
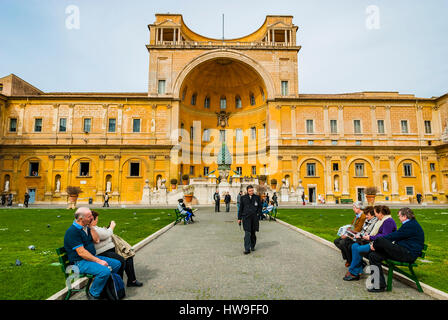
(205, 260)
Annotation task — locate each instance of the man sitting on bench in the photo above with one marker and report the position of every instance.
(185, 210)
(405, 245)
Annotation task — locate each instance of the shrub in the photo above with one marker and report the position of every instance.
(71, 190)
(371, 190)
(173, 181)
(273, 181)
(262, 177)
(185, 177)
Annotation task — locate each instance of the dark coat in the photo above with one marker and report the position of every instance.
(409, 236)
(227, 198)
(249, 211)
(216, 197)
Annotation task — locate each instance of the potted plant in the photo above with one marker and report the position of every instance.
(371, 194)
(73, 194)
(173, 184)
(185, 179)
(188, 193)
(274, 183)
(262, 179)
(261, 190)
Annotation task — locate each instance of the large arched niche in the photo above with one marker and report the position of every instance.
(230, 75)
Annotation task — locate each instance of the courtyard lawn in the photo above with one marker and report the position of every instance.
(37, 278)
(326, 222)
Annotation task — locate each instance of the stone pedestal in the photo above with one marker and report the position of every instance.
(146, 196)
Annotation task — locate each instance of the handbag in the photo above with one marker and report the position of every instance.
(122, 248)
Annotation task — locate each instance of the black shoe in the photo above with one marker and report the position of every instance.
(246, 252)
(90, 297)
(136, 283)
(377, 290)
(253, 249)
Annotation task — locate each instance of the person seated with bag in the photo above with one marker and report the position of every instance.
(356, 226)
(183, 209)
(383, 227)
(405, 244)
(268, 209)
(107, 248)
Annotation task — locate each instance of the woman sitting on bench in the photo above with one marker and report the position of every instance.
(268, 209)
(185, 210)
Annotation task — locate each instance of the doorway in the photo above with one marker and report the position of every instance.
(361, 196)
(32, 193)
(312, 194)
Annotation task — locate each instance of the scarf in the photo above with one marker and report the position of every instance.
(378, 225)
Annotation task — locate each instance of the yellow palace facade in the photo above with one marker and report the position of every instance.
(238, 91)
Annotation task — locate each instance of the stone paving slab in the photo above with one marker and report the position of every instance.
(205, 260)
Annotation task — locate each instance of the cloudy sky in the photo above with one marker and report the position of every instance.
(347, 45)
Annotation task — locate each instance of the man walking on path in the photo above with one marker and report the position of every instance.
(27, 199)
(217, 198)
(250, 209)
(106, 200)
(227, 201)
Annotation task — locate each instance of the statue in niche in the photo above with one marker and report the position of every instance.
(6, 186)
(58, 185)
(336, 185)
(159, 183)
(162, 184)
(385, 187)
(434, 186)
(108, 186)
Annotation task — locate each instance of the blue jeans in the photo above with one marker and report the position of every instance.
(356, 265)
(100, 272)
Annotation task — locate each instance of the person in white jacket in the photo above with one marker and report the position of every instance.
(106, 247)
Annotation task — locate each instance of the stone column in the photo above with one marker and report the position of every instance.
(295, 178)
(420, 126)
(66, 179)
(345, 177)
(373, 122)
(120, 121)
(100, 179)
(293, 122)
(388, 126)
(437, 123)
(328, 180)
(14, 182)
(116, 179)
(376, 174)
(49, 185)
(341, 120)
(425, 180)
(393, 180)
(21, 119)
(326, 122)
(152, 162)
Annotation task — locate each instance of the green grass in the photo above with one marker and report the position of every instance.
(36, 278)
(326, 222)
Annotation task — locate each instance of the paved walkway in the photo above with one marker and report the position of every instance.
(205, 260)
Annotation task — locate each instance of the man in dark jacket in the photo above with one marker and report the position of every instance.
(26, 199)
(250, 209)
(227, 201)
(217, 198)
(405, 245)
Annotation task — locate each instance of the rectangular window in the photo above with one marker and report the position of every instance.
(357, 126)
(284, 88)
(135, 125)
(334, 142)
(358, 142)
(432, 166)
(254, 170)
(87, 124)
(34, 169)
(239, 135)
(191, 170)
(404, 126)
(63, 125)
(407, 167)
(253, 133)
(206, 171)
(84, 169)
(206, 135)
(38, 125)
(409, 191)
(13, 125)
(161, 88)
(309, 126)
(207, 102)
(311, 169)
(310, 142)
(428, 129)
(359, 169)
(380, 126)
(239, 170)
(223, 103)
(111, 127)
(335, 166)
(134, 169)
(334, 126)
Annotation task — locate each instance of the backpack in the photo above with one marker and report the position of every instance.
(114, 288)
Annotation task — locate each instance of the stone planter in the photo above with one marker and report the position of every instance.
(188, 197)
(173, 186)
(72, 199)
(273, 186)
(370, 198)
(184, 182)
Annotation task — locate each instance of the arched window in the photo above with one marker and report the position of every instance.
(207, 102)
(238, 102)
(252, 99)
(193, 99)
(223, 103)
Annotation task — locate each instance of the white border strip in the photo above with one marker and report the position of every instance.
(80, 283)
(433, 292)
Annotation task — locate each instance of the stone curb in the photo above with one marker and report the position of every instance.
(433, 292)
(80, 283)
